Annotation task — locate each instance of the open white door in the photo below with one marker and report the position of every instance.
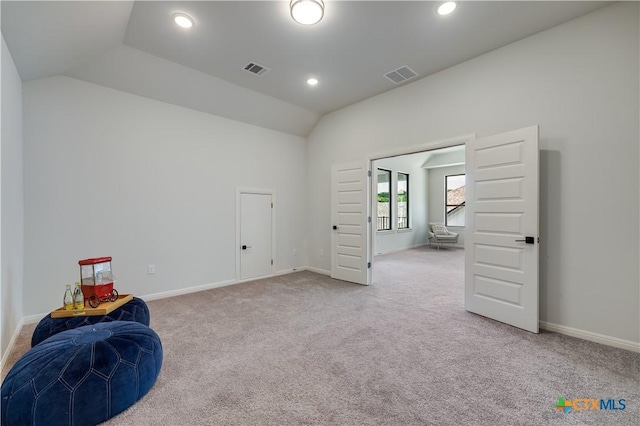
(349, 238)
(501, 239)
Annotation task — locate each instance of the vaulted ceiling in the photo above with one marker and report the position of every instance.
(135, 47)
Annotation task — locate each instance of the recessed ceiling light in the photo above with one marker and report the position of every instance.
(307, 12)
(182, 20)
(446, 8)
(312, 81)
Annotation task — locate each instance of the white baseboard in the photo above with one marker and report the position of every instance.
(31, 319)
(592, 337)
(446, 245)
(401, 249)
(12, 342)
(195, 289)
(289, 271)
(317, 270)
(187, 290)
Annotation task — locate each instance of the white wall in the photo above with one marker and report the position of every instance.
(115, 174)
(436, 197)
(128, 69)
(11, 202)
(446, 158)
(388, 241)
(580, 82)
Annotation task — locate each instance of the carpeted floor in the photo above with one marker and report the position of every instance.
(306, 349)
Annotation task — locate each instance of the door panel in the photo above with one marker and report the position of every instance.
(255, 235)
(349, 238)
(501, 275)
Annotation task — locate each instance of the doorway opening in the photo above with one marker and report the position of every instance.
(501, 222)
(409, 196)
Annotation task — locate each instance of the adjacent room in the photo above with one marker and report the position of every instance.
(411, 198)
(218, 154)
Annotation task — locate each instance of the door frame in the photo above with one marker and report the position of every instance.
(260, 191)
(428, 146)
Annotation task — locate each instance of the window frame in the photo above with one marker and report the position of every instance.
(407, 219)
(389, 221)
(455, 206)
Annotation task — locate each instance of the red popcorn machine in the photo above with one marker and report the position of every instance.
(97, 280)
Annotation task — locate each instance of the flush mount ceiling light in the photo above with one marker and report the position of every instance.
(183, 20)
(312, 81)
(307, 12)
(446, 8)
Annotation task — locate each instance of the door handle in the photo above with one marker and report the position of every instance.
(335, 228)
(246, 247)
(527, 240)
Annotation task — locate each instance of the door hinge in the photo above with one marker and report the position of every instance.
(369, 173)
(271, 205)
(368, 265)
(272, 261)
(369, 219)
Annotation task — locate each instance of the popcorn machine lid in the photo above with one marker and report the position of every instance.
(94, 260)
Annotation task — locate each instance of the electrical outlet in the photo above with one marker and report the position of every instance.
(295, 252)
(321, 252)
(151, 269)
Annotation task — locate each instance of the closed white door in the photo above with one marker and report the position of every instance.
(255, 235)
(350, 233)
(501, 236)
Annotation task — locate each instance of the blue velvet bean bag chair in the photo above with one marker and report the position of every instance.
(82, 376)
(134, 310)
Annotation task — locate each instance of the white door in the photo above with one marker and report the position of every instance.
(349, 238)
(255, 235)
(501, 236)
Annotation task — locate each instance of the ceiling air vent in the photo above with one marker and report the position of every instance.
(401, 75)
(256, 69)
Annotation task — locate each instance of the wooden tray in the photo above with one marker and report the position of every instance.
(103, 309)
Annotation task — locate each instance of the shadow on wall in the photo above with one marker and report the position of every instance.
(550, 208)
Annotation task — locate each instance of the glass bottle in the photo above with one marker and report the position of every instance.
(78, 298)
(67, 301)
